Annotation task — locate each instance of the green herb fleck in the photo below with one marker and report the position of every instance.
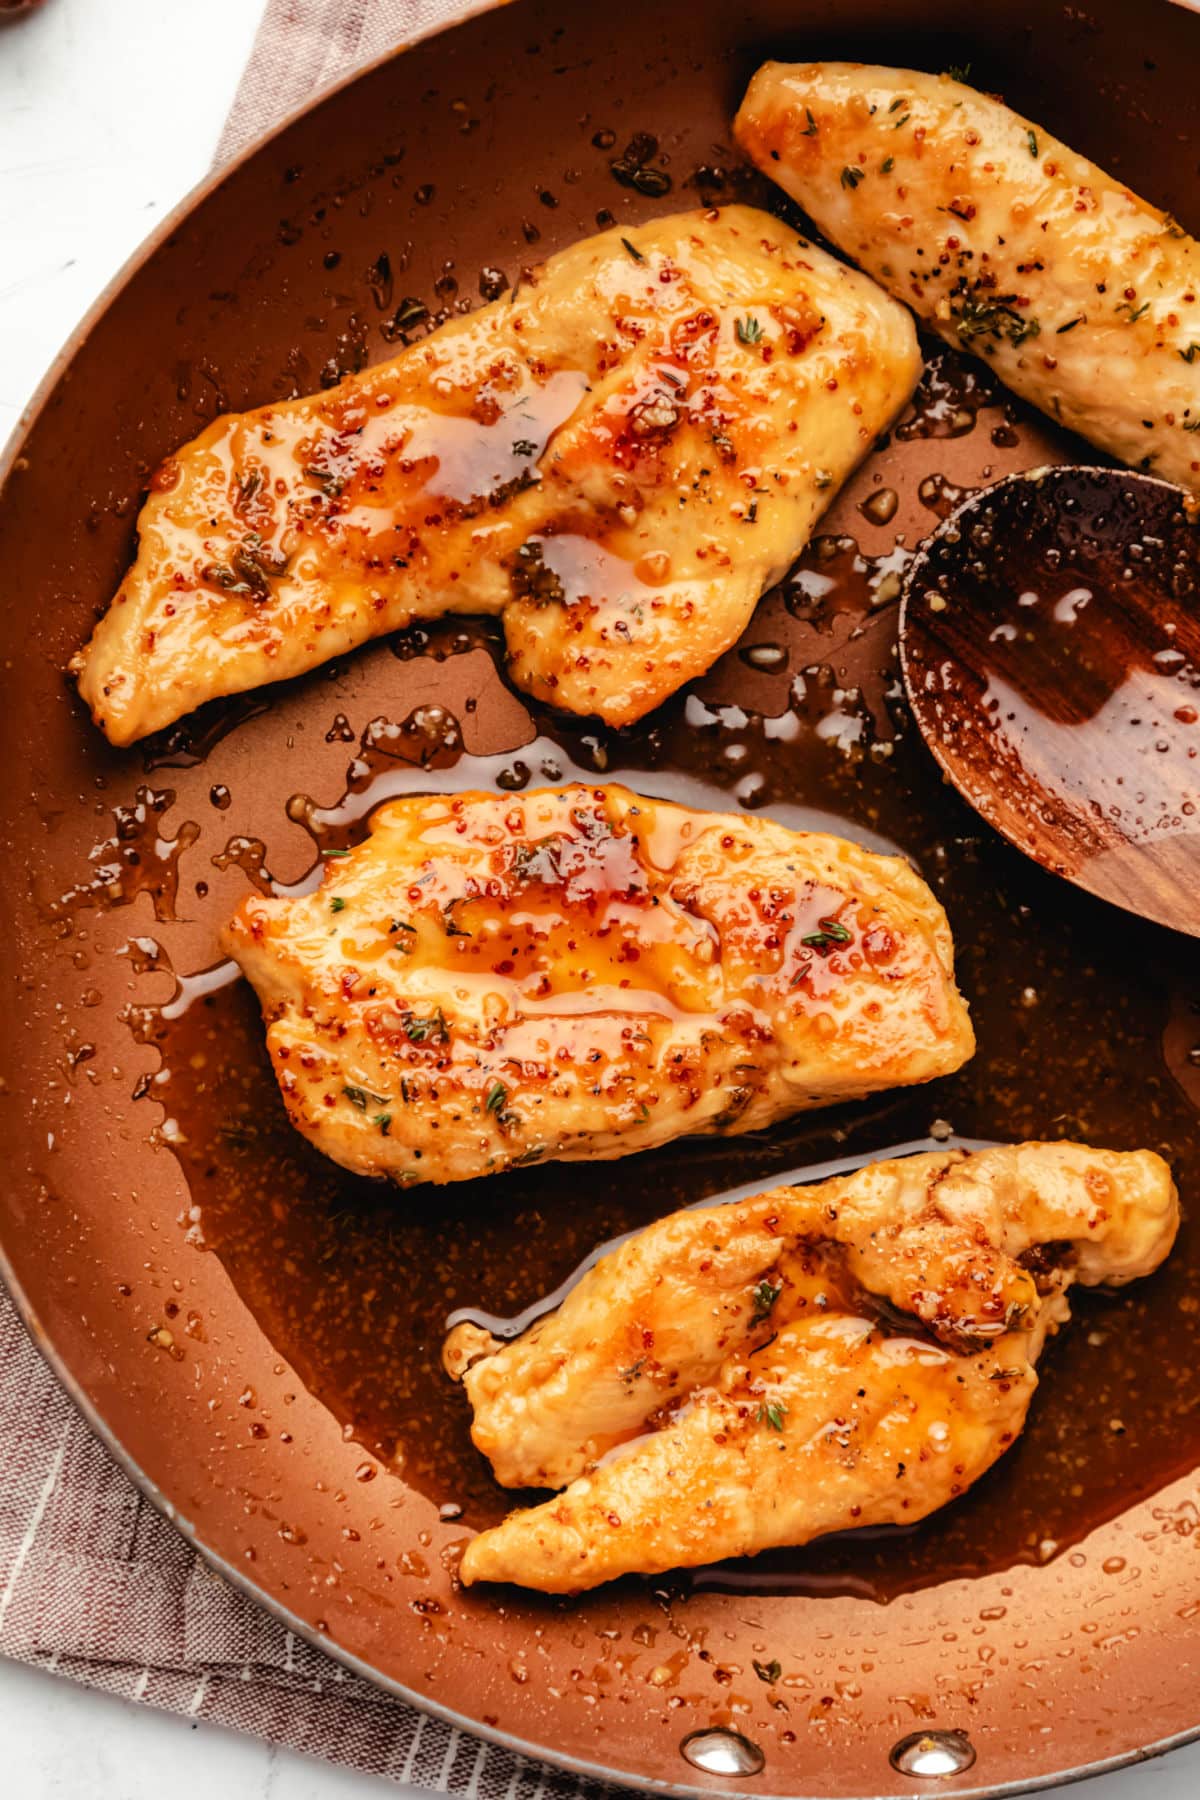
(959, 71)
(851, 177)
(810, 130)
(362, 1097)
(497, 1095)
(829, 932)
(997, 318)
(430, 1030)
(337, 904)
(770, 1671)
(897, 103)
(1031, 140)
(335, 853)
(749, 331)
(633, 250)
(1134, 315)
(765, 1296)
(902, 120)
(823, 478)
(401, 925)
(887, 165)
(1194, 426)
(772, 1413)
(1190, 354)
(633, 1371)
(449, 926)
(384, 1122)
(1071, 324)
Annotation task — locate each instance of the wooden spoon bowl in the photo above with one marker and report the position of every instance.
(1050, 645)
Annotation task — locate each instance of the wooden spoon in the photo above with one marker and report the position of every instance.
(1050, 643)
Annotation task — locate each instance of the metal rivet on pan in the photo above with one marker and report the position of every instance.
(719, 1750)
(931, 1755)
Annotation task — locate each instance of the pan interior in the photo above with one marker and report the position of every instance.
(260, 1332)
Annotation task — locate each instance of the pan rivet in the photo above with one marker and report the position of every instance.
(718, 1750)
(932, 1755)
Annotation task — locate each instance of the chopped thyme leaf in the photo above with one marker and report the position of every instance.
(958, 71)
(887, 165)
(384, 1122)
(1191, 353)
(337, 904)
(810, 130)
(448, 924)
(829, 932)
(997, 317)
(1140, 312)
(902, 120)
(768, 1671)
(633, 250)
(749, 331)
(851, 177)
(1031, 140)
(335, 853)
(772, 1413)
(401, 925)
(765, 1296)
(1071, 324)
(897, 104)
(823, 478)
(362, 1097)
(432, 1029)
(1194, 426)
(524, 447)
(497, 1095)
(633, 1371)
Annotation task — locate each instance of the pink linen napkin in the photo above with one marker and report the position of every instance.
(94, 1583)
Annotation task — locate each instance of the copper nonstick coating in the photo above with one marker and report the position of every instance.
(255, 1336)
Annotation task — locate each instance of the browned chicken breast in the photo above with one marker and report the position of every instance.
(617, 459)
(740, 1377)
(1084, 298)
(580, 972)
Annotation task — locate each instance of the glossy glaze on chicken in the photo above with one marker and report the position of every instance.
(748, 1376)
(492, 980)
(1084, 298)
(617, 458)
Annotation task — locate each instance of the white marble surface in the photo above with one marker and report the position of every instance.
(109, 111)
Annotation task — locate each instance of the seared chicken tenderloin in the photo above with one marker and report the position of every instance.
(618, 457)
(1084, 298)
(738, 1378)
(492, 980)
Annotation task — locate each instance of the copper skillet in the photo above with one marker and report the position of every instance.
(1054, 1665)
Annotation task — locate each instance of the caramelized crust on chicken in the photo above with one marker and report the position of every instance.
(738, 1378)
(580, 972)
(618, 459)
(1083, 298)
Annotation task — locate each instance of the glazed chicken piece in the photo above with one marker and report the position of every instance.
(742, 1377)
(493, 980)
(617, 459)
(1083, 298)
